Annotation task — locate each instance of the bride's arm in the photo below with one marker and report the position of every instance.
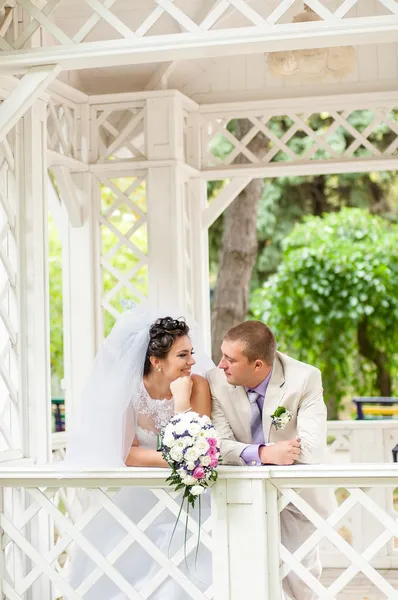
(144, 457)
(191, 393)
(200, 396)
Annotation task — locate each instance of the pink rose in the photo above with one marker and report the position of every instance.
(212, 451)
(213, 461)
(199, 473)
(212, 442)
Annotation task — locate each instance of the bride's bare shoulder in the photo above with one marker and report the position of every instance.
(199, 382)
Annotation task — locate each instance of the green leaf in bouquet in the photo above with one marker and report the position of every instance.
(159, 442)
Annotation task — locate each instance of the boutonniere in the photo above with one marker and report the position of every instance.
(281, 418)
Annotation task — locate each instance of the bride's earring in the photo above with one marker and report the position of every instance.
(159, 369)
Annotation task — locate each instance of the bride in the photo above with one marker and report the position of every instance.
(144, 373)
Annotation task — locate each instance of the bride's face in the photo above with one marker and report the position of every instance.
(179, 360)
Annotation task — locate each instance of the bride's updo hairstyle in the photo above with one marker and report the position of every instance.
(162, 335)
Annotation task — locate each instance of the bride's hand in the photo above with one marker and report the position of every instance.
(181, 389)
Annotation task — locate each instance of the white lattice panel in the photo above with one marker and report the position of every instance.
(137, 535)
(301, 137)
(361, 559)
(118, 132)
(10, 410)
(124, 239)
(114, 19)
(63, 128)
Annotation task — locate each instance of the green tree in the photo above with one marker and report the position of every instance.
(118, 258)
(56, 309)
(286, 200)
(333, 301)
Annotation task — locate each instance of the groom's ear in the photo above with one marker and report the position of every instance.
(258, 365)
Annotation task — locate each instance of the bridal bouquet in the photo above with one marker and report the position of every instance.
(190, 445)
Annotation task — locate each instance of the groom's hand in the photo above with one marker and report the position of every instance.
(280, 453)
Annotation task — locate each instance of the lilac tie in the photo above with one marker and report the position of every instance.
(256, 422)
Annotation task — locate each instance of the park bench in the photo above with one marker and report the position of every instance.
(374, 406)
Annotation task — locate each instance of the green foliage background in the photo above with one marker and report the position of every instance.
(312, 284)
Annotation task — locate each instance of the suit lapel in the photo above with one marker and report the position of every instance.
(242, 408)
(273, 396)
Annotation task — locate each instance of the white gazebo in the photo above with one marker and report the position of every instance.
(129, 96)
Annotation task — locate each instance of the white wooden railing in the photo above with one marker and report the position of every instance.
(243, 532)
(349, 442)
(361, 441)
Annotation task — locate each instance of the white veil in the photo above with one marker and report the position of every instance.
(104, 426)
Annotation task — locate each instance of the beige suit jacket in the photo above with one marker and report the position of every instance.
(294, 385)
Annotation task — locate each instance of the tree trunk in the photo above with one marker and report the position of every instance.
(366, 348)
(238, 249)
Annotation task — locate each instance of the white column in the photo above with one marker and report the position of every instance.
(167, 204)
(200, 258)
(242, 517)
(34, 336)
(81, 295)
(199, 232)
(34, 339)
(367, 446)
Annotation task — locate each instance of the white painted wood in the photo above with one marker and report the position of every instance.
(167, 206)
(225, 197)
(34, 334)
(69, 194)
(165, 231)
(245, 538)
(160, 77)
(34, 339)
(239, 512)
(22, 97)
(365, 165)
(81, 275)
(200, 259)
(224, 42)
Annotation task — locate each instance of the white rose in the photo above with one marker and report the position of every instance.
(197, 490)
(202, 446)
(176, 453)
(182, 473)
(188, 480)
(194, 428)
(168, 439)
(190, 465)
(210, 433)
(192, 454)
(205, 420)
(205, 461)
(180, 427)
(168, 430)
(186, 441)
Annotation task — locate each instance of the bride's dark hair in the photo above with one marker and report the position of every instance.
(162, 335)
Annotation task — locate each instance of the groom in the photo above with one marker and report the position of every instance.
(250, 383)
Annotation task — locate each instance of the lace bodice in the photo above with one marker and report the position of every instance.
(153, 415)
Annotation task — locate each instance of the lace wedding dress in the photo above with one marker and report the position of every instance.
(135, 564)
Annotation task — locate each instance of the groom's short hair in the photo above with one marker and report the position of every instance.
(258, 339)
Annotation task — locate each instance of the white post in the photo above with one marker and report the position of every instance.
(167, 206)
(241, 548)
(34, 312)
(33, 290)
(200, 258)
(81, 301)
(367, 446)
(199, 233)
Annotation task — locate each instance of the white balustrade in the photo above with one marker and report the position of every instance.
(243, 533)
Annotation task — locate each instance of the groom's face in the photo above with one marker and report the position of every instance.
(236, 366)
